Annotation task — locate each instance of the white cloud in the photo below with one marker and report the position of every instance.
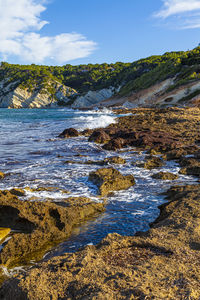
(187, 11)
(174, 7)
(20, 24)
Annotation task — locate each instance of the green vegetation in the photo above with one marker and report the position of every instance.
(184, 66)
(132, 77)
(82, 78)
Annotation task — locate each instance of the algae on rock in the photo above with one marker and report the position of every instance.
(38, 225)
(165, 176)
(110, 179)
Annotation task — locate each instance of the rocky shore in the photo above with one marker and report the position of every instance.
(162, 263)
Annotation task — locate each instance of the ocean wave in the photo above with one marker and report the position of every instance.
(96, 121)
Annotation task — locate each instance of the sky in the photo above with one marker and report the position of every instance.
(56, 32)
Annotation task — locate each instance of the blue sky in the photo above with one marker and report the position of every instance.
(95, 31)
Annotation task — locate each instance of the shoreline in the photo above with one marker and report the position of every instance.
(171, 145)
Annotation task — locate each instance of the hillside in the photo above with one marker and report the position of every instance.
(172, 78)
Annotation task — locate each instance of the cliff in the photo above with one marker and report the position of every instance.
(163, 80)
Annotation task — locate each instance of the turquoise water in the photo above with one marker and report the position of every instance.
(34, 156)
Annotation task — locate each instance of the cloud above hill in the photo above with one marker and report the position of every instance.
(20, 25)
(185, 12)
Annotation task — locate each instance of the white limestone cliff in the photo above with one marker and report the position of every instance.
(18, 97)
(93, 97)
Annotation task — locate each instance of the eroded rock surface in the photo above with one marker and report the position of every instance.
(39, 224)
(163, 263)
(190, 165)
(152, 162)
(165, 176)
(69, 132)
(115, 160)
(110, 179)
(99, 136)
(161, 130)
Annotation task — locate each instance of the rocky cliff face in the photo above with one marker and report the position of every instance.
(159, 95)
(55, 94)
(93, 98)
(14, 95)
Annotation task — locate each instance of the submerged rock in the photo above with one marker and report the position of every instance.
(110, 179)
(115, 160)
(69, 132)
(38, 225)
(165, 176)
(152, 162)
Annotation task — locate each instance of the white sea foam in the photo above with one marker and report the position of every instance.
(95, 121)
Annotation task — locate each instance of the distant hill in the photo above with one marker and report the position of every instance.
(172, 78)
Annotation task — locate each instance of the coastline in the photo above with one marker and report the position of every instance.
(144, 265)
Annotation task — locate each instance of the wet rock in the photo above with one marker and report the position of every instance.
(43, 189)
(153, 152)
(2, 175)
(4, 232)
(115, 160)
(152, 163)
(87, 132)
(38, 225)
(65, 191)
(157, 129)
(110, 179)
(165, 176)
(189, 162)
(17, 192)
(175, 154)
(46, 189)
(114, 144)
(112, 131)
(162, 263)
(195, 171)
(99, 136)
(69, 132)
(190, 166)
(87, 162)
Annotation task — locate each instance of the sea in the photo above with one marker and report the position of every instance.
(34, 157)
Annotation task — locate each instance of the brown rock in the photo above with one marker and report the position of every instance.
(99, 136)
(152, 162)
(87, 132)
(109, 179)
(165, 176)
(191, 166)
(2, 175)
(69, 132)
(4, 232)
(195, 171)
(115, 160)
(17, 192)
(114, 144)
(162, 263)
(39, 224)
